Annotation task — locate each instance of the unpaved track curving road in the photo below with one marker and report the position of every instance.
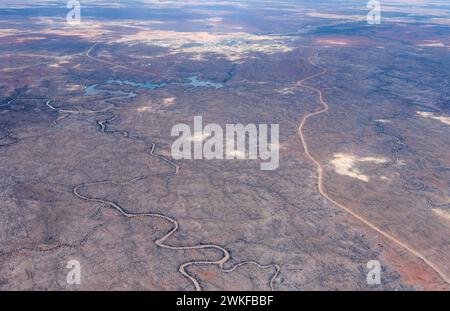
(320, 183)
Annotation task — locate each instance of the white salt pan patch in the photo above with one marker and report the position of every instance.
(169, 101)
(344, 164)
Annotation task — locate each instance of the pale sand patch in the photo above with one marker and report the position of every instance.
(401, 162)
(288, 90)
(26, 39)
(144, 109)
(73, 87)
(336, 16)
(244, 154)
(234, 153)
(169, 101)
(198, 57)
(8, 32)
(441, 213)
(233, 46)
(344, 164)
(414, 7)
(332, 42)
(430, 115)
(83, 32)
(58, 64)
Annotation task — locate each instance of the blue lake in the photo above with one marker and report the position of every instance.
(95, 89)
(200, 83)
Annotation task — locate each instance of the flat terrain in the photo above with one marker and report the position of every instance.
(86, 173)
